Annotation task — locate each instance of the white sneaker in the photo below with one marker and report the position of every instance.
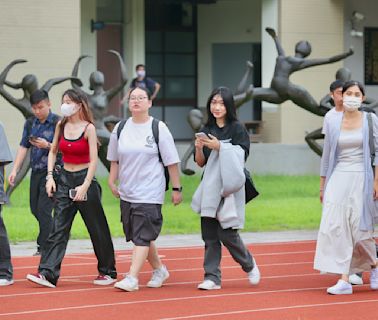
(208, 285)
(158, 277)
(254, 275)
(40, 279)
(129, 283)
(341, 287)
(374, 279)
(6, 282)
(355, 279)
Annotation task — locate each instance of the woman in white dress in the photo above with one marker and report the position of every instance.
(348, 191)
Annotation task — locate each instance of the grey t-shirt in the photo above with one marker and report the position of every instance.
(5, 158)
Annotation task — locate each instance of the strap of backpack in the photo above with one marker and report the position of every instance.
(120, 127)
(371, 138)
(155, 132)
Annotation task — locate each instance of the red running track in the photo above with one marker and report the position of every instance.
(289, 289)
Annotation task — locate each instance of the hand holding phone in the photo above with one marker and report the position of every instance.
(201, 135)
(33, 138)
(72, 194)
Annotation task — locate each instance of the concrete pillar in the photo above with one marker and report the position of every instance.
(271, 112)
(88, 41)
(134, 34)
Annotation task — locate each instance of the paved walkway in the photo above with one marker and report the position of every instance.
(85, 246)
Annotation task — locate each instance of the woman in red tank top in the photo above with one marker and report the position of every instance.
(76, 190)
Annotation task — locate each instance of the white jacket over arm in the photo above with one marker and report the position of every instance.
(221, 193)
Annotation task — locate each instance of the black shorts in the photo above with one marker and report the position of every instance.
(142, 222)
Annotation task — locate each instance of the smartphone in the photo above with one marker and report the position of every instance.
(33, 138)
(202, 135)
(72, 194)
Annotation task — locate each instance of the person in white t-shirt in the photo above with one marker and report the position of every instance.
(134, 157)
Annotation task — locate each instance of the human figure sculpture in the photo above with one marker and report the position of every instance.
(99, 101)
(281, 88)
(326, 103)
(196, 118)
(28, 84)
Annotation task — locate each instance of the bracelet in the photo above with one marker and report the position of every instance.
(49, 176)
(321, 189)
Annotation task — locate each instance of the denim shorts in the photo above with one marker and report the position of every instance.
(142, 222)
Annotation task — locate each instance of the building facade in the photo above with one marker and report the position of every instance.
(189, 47)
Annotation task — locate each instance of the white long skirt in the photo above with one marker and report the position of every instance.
(342, 248)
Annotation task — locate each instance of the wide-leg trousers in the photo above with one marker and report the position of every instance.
(94, 218)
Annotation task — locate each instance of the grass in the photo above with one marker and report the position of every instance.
(285, 202)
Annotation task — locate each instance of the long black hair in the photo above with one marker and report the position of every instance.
(228, 101)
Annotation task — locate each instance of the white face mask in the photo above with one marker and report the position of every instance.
(141, 73)
(68, 110)
(352, 103)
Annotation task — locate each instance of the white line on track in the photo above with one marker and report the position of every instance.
(196, 297)
(301, 306)
(194, 283)
(226, 256)
(190, 269)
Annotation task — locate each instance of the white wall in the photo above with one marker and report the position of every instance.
(356, 62)
(47, 34)
(222, 22)
(88, 41)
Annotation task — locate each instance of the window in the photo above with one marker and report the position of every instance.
(371, 56)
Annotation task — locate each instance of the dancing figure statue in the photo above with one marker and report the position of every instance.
(28, 84)
(281, 88)
(99, 101)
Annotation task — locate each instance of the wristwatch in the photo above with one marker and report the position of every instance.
(179, 189)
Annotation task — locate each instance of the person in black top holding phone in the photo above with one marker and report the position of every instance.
(222, 125)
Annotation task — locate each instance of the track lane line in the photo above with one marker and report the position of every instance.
(315, 305)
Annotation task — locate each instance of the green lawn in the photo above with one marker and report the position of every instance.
(285, 202)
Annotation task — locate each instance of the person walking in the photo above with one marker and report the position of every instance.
(6, 268)
(138, 155)
(348, 190)
(222, 147)
(38, 134)
(76, 189)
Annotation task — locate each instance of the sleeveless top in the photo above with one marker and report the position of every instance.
(75, 150)
(350, 156)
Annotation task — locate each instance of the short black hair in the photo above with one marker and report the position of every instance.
(148, 92)
(352, 83)
(335, 85)
(38, 96)
(140, 65)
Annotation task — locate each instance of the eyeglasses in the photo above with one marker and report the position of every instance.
(138, 98)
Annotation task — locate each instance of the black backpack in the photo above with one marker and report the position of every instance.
(155, 133)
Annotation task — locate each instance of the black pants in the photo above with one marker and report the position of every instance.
(214, 236)
(41, 206)
(6, 270)
(94, 218)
